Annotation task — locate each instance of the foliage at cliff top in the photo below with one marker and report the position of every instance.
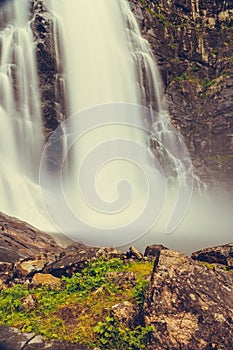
(80, 310)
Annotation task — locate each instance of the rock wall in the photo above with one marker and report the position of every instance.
(50, 65)
(51, 73)
(192, 43)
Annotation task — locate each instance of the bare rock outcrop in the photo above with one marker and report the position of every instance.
(190, 306)
(21, 240)
(216, 255)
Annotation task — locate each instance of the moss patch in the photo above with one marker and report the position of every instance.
(73, 311)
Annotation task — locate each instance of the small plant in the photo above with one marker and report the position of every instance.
(111, 336)
(92, 276)
(172, 46)
(139, 292)
(183, 76)
(206, 83)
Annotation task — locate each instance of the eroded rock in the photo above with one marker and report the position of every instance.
(45, 279)
(190, 306)
(126, 313)
(71, 260)
(221, 255)
(21, 240)
(12, 339)
(152, 252)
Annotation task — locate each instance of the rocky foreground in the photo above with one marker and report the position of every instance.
(188, 301)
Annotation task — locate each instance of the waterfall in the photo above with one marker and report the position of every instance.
(109, 62)
(119, 147)
(21, 136)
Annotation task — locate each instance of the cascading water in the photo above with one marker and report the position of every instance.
(109, 67)
(21, 136)
(109, 62)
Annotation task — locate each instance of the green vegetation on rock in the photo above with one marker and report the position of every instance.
(110, 334)
(80, 310)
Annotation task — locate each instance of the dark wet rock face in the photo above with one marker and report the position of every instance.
(192, 43)
(50, 65)
(51, 75)
(190, 306)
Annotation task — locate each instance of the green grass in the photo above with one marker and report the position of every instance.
(83, 303)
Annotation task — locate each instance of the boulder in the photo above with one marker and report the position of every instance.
(46, 280)
(21, 240)
(122, 279)
(153, 251)
(217, 255)
(6, 271)
(28, 267)
(28, 303)
(12, 339)
(109, 252)
(71, 260)
(190, 306)
(126, 313)
(135, 253)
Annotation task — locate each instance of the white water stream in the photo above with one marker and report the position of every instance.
(108, 61)
(21, 137)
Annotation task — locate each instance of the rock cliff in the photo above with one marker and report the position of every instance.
(192, 43)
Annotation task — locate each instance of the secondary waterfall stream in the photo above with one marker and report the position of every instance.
(21, 136)
(118, 140)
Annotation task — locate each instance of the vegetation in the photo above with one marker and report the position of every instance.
(181, 77)
(212, 266)
(80, 310)
(118, 338)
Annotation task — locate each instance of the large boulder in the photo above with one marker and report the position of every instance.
(71, 260)
(21, 240)
(216, 255)
(190, 306)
